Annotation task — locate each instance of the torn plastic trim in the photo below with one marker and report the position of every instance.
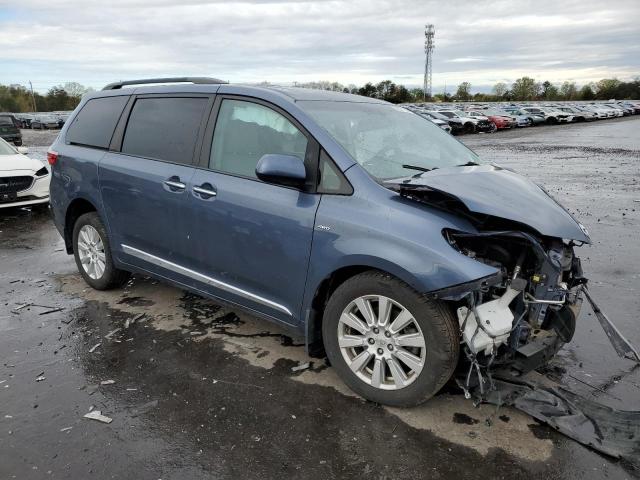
(461, 290)
(623, 348)
(607, 430)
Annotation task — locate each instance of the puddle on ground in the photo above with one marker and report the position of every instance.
(263, 344)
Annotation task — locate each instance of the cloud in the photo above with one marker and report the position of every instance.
(295, 40)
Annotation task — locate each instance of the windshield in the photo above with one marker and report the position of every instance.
(6, 121)
(383, 137)
(6, 149)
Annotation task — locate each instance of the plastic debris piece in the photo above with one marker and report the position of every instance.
(65, 429)
(93, 349)
(303, 366)
(111, 333)
(40, 378)
(623, 348)
(107, 382)
(53, 310)
(97, 415)
(605, 429)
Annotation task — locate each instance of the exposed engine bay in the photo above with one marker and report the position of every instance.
(525, 314)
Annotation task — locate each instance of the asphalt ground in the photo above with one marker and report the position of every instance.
(202, 391)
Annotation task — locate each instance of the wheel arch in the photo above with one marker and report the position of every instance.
(78, 206)
(323, 291)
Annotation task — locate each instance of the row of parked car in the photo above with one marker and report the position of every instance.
(11, 123)
(42, 121)
(459, 118)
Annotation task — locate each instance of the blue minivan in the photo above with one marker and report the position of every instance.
(388, 244)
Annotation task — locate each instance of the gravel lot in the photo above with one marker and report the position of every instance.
(201, 391)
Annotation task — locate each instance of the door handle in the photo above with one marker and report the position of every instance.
(174, 184)
(206, 190)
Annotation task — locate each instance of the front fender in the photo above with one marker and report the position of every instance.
(386, 232)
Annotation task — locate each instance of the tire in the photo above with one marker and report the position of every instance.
(469, 128)
(108, 276)
(433, 320)
(18, 143)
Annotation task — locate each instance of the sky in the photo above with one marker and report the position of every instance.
(351, 42)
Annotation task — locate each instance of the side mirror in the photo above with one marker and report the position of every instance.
(23, 150)
(282, 170)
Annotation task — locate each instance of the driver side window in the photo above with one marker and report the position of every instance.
(245, 131)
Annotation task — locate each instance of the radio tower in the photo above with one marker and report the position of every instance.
(429, 33)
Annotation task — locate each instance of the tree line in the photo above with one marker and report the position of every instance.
(18, 98)
(522, 89)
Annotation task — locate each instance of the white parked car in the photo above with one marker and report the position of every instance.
(23, 180)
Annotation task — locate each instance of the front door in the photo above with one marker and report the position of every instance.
(251, 240)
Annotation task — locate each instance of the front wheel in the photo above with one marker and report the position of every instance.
(387, 342)
(92, 253)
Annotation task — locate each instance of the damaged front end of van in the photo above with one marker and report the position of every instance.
(517, 318)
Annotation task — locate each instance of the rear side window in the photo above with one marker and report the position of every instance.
(246, 131)
(164, 128)
(94, 124)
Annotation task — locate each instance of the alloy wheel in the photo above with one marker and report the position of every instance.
(381, 342)
(91, 252)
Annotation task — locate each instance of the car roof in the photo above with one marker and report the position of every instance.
(290, 94)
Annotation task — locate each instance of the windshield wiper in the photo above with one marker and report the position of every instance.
(469, 164)
(416, 167)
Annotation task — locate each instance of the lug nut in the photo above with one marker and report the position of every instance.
(376, 330)
(387, 334)
(390, 347)
(371, 341)
(380, 351)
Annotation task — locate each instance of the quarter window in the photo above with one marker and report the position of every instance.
(246, 131)
(164, 128)
(93, 126)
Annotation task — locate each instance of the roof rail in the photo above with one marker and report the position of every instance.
(145, 81)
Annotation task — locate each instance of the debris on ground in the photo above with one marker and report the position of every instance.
(65, 429)
(53, 310)
(302, 366)
(40, 378)
(607, 430)
(107, 382)
(20, 307)
(111, 333)
(144, 408)
(93, 349)
(97, 415)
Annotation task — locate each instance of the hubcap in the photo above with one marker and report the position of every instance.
(381, 342)
(91, 252)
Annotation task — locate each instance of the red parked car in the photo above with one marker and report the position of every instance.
(500, 120)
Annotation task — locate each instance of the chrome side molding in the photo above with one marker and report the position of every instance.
(174, 267)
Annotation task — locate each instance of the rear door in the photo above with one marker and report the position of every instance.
(145, 183)
(251, 240)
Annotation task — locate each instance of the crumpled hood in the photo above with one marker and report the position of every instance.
(492, 190)
(18, 161)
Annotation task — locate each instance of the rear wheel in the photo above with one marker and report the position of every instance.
(92, 253)
(387, 342)
(469, 127)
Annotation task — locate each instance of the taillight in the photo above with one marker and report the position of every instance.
(52, 157)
